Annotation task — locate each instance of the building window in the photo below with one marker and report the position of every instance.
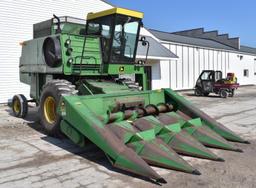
(246, 73)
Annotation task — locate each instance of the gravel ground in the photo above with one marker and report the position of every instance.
(29, 158)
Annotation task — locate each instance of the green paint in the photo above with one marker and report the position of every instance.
(180, 103)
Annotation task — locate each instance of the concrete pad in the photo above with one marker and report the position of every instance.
(29, 158)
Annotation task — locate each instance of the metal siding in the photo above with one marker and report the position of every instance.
(223, 63)
(219, 60)
(17, 19)
(156, 75)
(165, 74)
(176, 49)
(197, 72)
(173, 66)
(191, 68)
(201, 56)
(185, 67)
(210, 59)
(179, 67)
(226, 66)
(214, 60)
(206, 57)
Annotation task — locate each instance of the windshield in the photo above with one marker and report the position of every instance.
(119, 37)
(124, 39)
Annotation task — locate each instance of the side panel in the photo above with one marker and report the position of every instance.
(91, 63)
(32, 60)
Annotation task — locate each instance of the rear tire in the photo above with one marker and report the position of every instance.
(198, 92)
(223, 93)
(49, 101)
(206, 94)
(19, 106)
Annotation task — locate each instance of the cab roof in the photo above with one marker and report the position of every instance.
(115, 10)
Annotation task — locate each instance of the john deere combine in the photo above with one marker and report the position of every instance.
(74, 69)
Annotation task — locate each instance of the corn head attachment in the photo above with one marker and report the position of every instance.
(192, 112)
(140, 128)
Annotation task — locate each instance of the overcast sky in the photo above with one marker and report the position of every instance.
(236, 17)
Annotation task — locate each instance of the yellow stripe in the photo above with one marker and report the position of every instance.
(116, 10)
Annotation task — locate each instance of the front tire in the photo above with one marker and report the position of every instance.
(49, 101)
(198, 92)
(223, 93)
(19, 106)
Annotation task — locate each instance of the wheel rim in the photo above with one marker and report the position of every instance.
(50, 110)
(224, 94)
(16, 106)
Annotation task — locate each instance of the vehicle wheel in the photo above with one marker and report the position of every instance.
(197, 92)
(19, 106)
(50, 97)
(232, 93)
(223, 93)
(206, 94)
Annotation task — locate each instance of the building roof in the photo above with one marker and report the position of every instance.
(214, 35)
(115, 10)
(166, 36)
(156, 50)
(248, 49)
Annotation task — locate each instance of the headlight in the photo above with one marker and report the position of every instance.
(67, 42)
(70, 61)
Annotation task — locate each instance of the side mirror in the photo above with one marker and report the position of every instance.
(143, 40)
(144, 43)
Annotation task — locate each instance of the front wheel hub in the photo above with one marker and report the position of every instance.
(16, 106)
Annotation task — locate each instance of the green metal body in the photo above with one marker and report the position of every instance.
(133, 128)
(35, 72)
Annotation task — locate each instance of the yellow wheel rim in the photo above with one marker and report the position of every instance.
(50, 110)
(16, 106)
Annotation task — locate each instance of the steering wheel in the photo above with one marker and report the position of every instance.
(117, 37)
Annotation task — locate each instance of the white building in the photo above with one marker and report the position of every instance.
(199, 50)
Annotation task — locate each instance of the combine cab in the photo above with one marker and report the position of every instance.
(74, 69)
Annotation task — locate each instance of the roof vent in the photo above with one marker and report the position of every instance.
(211, 35)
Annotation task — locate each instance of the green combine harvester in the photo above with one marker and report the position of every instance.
(88, 85)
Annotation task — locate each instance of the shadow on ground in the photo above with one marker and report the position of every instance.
(193, 95)
(90, 152)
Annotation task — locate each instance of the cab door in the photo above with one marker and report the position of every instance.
(207, 79)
